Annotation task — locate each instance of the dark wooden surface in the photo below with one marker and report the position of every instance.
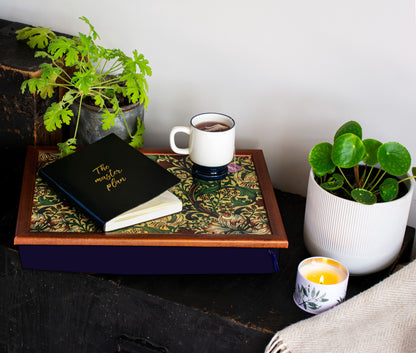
(63, 312)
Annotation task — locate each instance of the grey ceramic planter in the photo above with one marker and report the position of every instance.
(90, 124)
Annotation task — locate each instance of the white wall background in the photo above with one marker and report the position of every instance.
(289, 71)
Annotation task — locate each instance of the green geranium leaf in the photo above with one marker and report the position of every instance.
(414, 171)
(24, 86)
(47, 91)
(66, 114)
(98, 100)
(56, 115)
(69, 97)
(60, 46)
(83, 81)
(335, 182)
(394, 158)
(142, 63)
(144, 99)
(108, 119)
(71, 57)
(320, 159)
(86, 45)
(33, 84)
(137, 139)
(351, 127)
(116, 107)
(133, 89)
(371, 148)
(348, 151)
(52, 119)
(37, 37)
(49, 72)
(364, 196)
(67, 147)
(92, 29)
(43, 54)
(389, 189)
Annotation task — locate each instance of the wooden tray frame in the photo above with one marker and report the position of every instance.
(23, 235)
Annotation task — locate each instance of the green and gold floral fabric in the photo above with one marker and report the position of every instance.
(231, 206)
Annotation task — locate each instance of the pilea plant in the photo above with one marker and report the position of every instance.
(362, 170)
(86, 70)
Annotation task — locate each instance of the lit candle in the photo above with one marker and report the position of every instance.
(323, 271)
(321, 283)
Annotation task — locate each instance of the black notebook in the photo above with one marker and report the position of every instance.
(114, 183)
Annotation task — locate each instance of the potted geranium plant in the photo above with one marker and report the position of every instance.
(358, 200)
(87, 73)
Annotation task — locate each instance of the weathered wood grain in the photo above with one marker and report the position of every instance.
(52, 312)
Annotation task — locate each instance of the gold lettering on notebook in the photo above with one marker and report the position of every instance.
(112, 178)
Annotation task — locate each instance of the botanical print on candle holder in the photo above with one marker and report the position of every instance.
(308, 298)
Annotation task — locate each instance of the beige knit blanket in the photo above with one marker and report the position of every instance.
(381, 319)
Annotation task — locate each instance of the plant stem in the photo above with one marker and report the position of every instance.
(408, 178)
(79, 114)
(375, 178)
(368, 177)
(379, 179)
(352, 188)
(357, 175)
(125, 123)
(346, 191)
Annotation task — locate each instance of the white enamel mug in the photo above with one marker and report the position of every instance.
(207, 148)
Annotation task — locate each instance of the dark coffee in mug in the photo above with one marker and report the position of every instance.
(212, 126)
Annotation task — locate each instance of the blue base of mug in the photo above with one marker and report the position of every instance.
(209, 173)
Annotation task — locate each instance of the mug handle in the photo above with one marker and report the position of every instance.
(176, 129)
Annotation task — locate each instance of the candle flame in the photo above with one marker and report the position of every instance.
(321, 280)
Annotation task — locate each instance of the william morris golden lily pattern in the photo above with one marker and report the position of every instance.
(232, 206)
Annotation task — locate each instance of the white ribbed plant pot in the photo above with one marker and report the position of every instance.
(365, 238)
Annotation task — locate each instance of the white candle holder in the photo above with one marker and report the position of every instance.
(321, 283)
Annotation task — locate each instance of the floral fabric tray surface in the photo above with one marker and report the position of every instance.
(241, 210)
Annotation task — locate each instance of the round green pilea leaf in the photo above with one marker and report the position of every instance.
(320, 159)
(394, 158)
(351, 127)
(371, 148)
(348, 151)
(389, 189)
(335, 182)
(364, 196)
